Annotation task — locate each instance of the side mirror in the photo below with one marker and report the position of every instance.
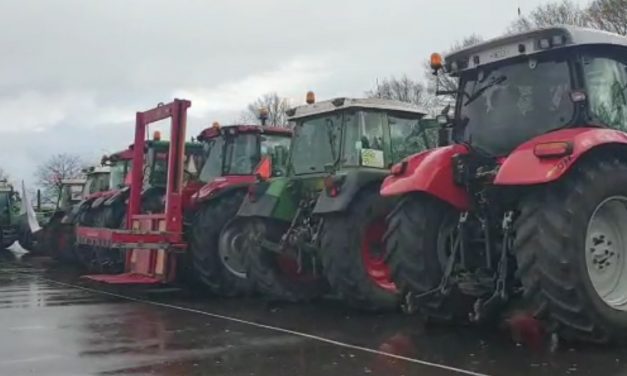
(263, 171)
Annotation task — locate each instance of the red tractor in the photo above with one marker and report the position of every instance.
(529, 202)
(232, 156)
(153, 236)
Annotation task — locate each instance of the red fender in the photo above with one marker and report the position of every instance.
(432, 172)
(220, 183)
(522, 167)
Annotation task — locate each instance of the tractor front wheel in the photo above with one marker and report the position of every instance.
(352, 252)
(571, 246)
(421, 231)
(217, 247)
(274, 274)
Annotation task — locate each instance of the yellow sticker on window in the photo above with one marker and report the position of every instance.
(372, 158)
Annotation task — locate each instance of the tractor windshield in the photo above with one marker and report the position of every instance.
(212, 167)
(516, 101)
(316, 144)
(117, 174)
(241, 154)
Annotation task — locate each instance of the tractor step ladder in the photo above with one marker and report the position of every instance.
(151, 241)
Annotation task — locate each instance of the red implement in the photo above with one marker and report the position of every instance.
(150, 240)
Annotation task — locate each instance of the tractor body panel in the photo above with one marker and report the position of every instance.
(278, 198)
(348, 182)
(430, 172)
(219, 186)
(523, 167)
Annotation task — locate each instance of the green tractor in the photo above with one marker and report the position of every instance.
(10, 227)
(322, 223)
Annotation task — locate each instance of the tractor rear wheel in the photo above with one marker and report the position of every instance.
(110, 260)
(273, 274)
(217, 247)
(571, 246)
(85, 254)
(352, 253)
(418, 239)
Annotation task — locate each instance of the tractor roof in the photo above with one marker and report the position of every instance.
(97, 170)
(529, 43)
(338, 104)
(73, 181)
(124, 155)
(213, 132)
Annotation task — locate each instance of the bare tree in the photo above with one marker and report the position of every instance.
(558, 13)
(275, 107)
(52, 172)
(401, 89)
(609, 15)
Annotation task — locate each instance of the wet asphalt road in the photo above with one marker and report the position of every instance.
(53, 324)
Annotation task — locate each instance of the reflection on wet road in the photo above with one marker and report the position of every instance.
(50, 327)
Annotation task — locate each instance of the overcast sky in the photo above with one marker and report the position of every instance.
(73, 73)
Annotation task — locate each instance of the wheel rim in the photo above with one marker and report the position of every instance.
(231, 249)
(606, 249)
(372, 253)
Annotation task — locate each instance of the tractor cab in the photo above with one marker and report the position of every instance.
(72, 191)
(346, 133)
(119, 166)
(237, 150)
(96, 180)
(527, 85)
(156, 163)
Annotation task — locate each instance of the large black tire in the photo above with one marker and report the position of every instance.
(85, 254)
(264, 266)
(359, 277)
(110, 260)
(416, 230)
(208, 265)
(550, 246)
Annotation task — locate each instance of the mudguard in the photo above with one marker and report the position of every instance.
(431, 172)
(353, 181)
(522, 167)
(97, 202)
(120, 194)
(219, 186)
(275, 198)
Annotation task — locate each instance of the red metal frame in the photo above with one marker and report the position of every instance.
(150, 236)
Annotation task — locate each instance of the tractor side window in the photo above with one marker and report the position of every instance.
(213, 164)
(409, 137)
(242, 155)
(606, 81)
(315, 144)
(371, 124)
(364, 139)
(277, 148)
